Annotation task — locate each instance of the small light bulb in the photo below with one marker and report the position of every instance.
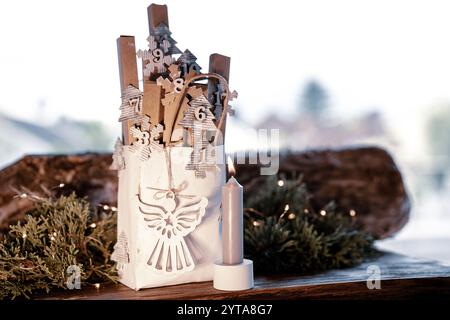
(352, 213)
(97, 286)
(256, 223)
(323, 213)
(52, 238)
(291, 216)
(23, 195)
(61, 185)
(306, 211)
(113, 209)
(24, 236)
(92, 225)
(105, 207)
(286, 208)
(280, 183)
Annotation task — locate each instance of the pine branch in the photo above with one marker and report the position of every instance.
(35, 255)
(284, 235)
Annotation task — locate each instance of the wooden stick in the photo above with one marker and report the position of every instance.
(157, 14)
(126, 51)
(218, 64)
(151, 105)
(152, 92)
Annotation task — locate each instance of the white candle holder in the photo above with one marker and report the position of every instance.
(233, 277)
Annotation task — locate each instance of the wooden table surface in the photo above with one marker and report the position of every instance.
(402, 277)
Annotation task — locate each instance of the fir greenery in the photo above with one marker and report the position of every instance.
(283, 234)
(60, 232)
(66, 231)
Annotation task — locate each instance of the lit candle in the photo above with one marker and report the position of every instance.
(232, 220)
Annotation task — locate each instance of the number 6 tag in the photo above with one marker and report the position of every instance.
(200, 113)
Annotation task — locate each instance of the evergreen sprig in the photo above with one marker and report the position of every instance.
(283, 234)
(58, 233)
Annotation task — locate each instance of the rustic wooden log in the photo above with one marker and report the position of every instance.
(87, 175)
(362, 179)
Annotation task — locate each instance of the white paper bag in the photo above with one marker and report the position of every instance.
(168, 219)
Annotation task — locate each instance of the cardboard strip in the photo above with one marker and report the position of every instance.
(218, 64)
(152, 106)
(157, 14)
(153, 93)
(126, 51)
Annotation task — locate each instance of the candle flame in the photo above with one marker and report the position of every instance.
(231, 168)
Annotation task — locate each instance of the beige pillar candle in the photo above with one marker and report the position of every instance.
(232, 220)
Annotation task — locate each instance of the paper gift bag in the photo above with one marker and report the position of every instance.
(168, 219)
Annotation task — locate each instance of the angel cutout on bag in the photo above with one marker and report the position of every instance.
(172, 221)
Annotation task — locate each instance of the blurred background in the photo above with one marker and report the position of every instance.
(329, 73)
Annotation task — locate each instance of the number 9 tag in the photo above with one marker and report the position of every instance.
(157, 55)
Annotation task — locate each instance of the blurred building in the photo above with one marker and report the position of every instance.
(307, 131)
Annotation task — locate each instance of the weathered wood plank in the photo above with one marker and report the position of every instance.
(401, 277)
